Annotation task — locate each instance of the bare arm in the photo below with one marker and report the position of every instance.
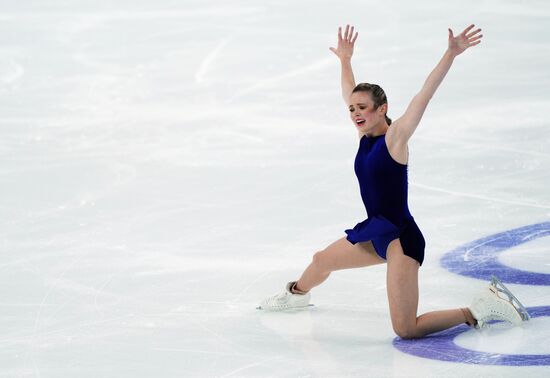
(344, 51)
(406, 124)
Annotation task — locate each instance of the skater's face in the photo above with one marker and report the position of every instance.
(362, 111)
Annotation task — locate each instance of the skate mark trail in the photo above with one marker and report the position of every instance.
(209, 59)
(255, 280)
(477, 196)
(484, 145)
(266, 83)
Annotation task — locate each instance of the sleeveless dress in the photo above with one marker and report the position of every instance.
(384, 191)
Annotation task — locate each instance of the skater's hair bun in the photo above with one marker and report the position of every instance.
(376, 93)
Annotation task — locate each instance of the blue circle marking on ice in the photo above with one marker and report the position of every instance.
(479, 258)
(441, 346)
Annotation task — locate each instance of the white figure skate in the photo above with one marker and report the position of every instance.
(285, 300)
(496, 302)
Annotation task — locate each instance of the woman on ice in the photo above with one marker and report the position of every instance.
(390, 234)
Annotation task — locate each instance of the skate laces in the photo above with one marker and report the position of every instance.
(494, 307)
(279, 300)
(285, 300)
(504, 306)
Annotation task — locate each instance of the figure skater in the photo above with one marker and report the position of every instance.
(390, 234)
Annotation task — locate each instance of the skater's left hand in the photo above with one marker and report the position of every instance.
(344, 50)
(459, 44)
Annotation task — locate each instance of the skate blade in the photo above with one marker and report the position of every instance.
(500, 288)
(287, 309)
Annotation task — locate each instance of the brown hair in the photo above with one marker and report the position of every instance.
(376, 93)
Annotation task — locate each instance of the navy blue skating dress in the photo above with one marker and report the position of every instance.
(384, 190)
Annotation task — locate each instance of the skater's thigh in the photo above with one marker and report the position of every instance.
(402, 286)
(342, 254)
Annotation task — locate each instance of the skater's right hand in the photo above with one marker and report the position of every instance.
(345, 44)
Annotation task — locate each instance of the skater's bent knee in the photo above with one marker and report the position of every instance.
(405, 334)
(318, 258)
(322, 261)
(405, 331)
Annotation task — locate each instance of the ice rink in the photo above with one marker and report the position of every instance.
(165, 165)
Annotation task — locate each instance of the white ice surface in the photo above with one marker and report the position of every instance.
(167, 164)
(503, 339)
(529, 257)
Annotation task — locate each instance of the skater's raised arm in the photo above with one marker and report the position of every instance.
(406, 124)
(344, 52)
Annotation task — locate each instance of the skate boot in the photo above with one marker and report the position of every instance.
(496, 302)
(286, 300)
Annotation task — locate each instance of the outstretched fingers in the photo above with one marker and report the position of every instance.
(467, 30)
(349, 35)
(474, 43)
(474, 39)
(346, 33)
(467, 38)
(470, 35)
(346, 42)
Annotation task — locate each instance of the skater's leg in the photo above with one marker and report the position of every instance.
(402, 285)
(339, 255)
